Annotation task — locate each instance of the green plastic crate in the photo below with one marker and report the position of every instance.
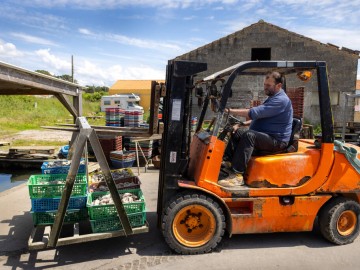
(40, 186)
(114, 224)
(105, 211)
(48, 217)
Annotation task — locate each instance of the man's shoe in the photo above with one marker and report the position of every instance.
(232, 180)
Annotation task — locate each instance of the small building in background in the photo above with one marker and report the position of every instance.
(142, 88)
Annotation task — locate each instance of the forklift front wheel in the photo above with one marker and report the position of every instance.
(193, 224)
(339, 221)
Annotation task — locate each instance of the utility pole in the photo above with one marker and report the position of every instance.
(72, 68)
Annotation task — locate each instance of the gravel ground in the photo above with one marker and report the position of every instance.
(43, 135)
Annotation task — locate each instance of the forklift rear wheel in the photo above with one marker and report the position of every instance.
(193, 224)
(339, 221)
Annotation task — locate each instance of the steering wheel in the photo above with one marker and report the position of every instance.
(228, 128)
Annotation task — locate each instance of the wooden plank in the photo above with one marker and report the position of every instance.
(150, 138)
(93, 166)
(33, 149)
(35, 244)
(113, 132)
(154, 105)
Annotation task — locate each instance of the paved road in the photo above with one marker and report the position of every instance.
(149, 251)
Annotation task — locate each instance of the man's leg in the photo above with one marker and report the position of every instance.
(249, 141)
(233, 144)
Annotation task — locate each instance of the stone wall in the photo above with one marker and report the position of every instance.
(285, 45)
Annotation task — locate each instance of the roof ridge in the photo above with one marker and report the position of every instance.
(343, 49)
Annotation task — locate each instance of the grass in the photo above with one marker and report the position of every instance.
(38, 142)
(18, 113)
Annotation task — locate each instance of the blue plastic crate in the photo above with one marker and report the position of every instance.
(122, 164)
(50, 204)
(64, 150)
(64, 169)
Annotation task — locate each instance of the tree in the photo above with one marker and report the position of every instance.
(66, 77)
(43, 72)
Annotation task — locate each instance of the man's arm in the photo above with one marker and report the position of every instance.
(239, 112)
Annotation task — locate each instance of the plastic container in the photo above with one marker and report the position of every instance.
(51, 204)
(122, 164)
(52, 185)
(48, 217)
(114, 224)
(109, 210)
(62, 168)
(64, 150)
(97, 177)
(122, 183)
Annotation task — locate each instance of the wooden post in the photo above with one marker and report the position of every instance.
(70, 179)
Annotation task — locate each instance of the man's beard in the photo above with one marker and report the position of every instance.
(269, 93)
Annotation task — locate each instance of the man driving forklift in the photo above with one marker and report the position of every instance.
(270, 130)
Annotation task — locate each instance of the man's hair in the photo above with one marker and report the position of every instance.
(278, 78)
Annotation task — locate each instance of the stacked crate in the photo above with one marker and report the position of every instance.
(45, 192)
(101, 209)
(122, 159)
(146, 147)
(114, 117)
(133, 118)
(296, 96)
(109, 144)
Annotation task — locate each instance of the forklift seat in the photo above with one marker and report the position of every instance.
(295, 135)
(293, 142)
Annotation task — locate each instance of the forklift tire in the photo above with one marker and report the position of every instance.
(193, 224)
(339, 221)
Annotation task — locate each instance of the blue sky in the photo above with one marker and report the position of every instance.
(133, 39)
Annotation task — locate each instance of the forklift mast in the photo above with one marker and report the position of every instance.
(176, 115)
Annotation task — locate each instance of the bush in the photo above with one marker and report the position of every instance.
(93, 97)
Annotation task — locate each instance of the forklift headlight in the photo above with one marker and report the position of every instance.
(305, 76)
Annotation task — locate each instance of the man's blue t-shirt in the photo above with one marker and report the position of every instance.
(273, 117)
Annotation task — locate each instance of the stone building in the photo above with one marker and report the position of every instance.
(265, 41)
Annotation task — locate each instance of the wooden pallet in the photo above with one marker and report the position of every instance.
(4, 143)
(72, 234)
(32, 150)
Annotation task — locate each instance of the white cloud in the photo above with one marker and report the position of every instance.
(88, 73)
(9, 50)
(85, 31)
(30, 18)
(109, 4)
(33, 39)
(56, 65)
(142, 43)
(332, 35)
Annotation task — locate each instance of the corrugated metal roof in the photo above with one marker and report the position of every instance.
(133, 84)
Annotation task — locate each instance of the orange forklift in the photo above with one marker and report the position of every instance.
(283, 192)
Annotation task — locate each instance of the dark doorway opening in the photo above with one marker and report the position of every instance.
(260, 54)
